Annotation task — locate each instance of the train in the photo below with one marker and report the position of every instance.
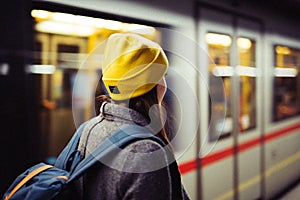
(233, 84)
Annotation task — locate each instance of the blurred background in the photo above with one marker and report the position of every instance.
(50, 66)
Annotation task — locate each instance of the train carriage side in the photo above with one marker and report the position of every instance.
(232, 43)
(282, 131)
(258, 61)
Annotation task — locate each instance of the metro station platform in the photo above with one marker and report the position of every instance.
(292, 194)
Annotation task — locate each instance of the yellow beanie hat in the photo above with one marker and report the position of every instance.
(132, 65)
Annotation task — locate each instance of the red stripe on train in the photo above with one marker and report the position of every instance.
(215, 157)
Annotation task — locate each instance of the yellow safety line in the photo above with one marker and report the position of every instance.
(283, 164)
(279, 166)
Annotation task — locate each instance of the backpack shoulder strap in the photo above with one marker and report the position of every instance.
(124, 136)
(61, 161)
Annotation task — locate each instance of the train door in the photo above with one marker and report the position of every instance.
(56, 118)
(215, 37)
(230, 133)
(248, 118)
(66, 51)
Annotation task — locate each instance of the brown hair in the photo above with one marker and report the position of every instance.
(142, 104)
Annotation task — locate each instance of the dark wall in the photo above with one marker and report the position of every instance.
(18, 111)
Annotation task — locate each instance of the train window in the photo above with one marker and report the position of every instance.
(63, 87)
(246, 69)
(286, 99)
(219, 52)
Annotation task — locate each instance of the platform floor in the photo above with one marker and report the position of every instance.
(293, 194)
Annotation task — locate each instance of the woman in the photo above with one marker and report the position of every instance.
(133, 74)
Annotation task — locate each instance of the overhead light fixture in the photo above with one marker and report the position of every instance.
(41, 14)
(40, 69)
(86, 21)
(4, 69)
(112, 25)
(285, 72)
(246, 71)
(283, 50)
(64, 29)
(244, 43)
(70, 24)
(222, 71)
(63, 17)
(218, 39)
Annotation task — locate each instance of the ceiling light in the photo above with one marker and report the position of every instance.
(64, 29)
(283, 50)
(244, 43)
(218, 39)
(41, 14)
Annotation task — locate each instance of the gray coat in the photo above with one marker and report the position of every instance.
(139, 171)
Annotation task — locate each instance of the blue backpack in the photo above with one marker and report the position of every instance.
(45, 182)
